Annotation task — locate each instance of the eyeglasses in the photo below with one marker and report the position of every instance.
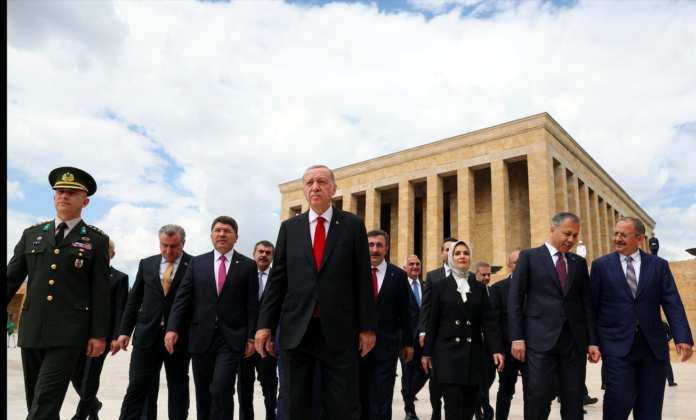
(375, 245)
(226, 231)
(623, 235)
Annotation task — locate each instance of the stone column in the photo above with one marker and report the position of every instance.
(573, 197)
(394, 230)
(286, 213)
(454, 216)
(609, 227)
(561, 188)
(594, 225)
(373, 209)
(586, 221)
(350, 203)
(542, 200)
(603, 234)
(500, 191)
(466, 207)
(406, 219)
(434, 221)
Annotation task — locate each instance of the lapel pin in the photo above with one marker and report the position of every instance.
(573, 258)
(45, 228)
(336, 221)
(237, 262)
(39, 238)
(83, 230)
(185, 263)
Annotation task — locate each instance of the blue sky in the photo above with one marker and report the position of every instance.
(187, 110)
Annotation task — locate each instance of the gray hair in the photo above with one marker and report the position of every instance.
(637, 224)
(558, 219)
(171, 230)
(481, 264)
(412, 255)
(333, 178)
(112, 245)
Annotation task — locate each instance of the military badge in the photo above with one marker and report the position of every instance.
(81, 246)
(78, 263)
(39, 238)
(68, 177)
(86, 239)
(37, 242)
(83, 230)
(46, 227)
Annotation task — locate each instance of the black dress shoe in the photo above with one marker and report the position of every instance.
(411, 415)
(94, 413)
(479, 416)
(673, 384)
(603, 386)
(587, 400)
(584, 411)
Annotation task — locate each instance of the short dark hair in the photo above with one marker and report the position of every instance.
(442, 247)
(226, 220)
(264, 243)
(378, 232)
(479, 265)
(637, 224)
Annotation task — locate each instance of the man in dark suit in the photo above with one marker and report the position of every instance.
(413, 376)
(219, 298)
(668, 364)
(654, 244)
(67, 265)
(629, 288)
(321, 279)
(507, 379)
(483, 406)
(265, 366)
(87, 371)
(378, 368)
(148, 310)
(551, 320)
(438, 273)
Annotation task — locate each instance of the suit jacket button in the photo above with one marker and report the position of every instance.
(468, 323)
(57, 251)
(456, 339)
(457, 322)
(50, 298)
(468, 339)
(86, 309)
(51, 282)
(54, 266)
(32, 251)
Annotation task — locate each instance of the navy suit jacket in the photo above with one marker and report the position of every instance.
(539, 322)
(393, 316)
(413, 307)
(616, 308)
(236, 308)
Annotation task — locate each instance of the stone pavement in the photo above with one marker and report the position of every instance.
(679, 402)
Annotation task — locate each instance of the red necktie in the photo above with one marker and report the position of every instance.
(319, 242)
(221, 273)
(562, 274)
(374, 280)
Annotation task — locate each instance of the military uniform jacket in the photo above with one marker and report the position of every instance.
(654, 244)
(67, 300)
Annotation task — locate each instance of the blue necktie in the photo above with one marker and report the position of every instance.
(416, 292)
(260, 284)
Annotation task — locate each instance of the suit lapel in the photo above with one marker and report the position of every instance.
(386, 282)
(547, 262)
(646, 266)
(180, 270)
(335, 229)
(473, 294)
(305, 237)
(50, 235)
(234, 265)
(209, 269)
(74, 235)
(571, 270)
(451, 286)
(617, 270)
(155, 267)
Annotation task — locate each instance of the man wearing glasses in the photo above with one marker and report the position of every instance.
(629, 286)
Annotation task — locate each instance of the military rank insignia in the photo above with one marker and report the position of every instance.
(83, 230)
(46, 227)
(37, 242)
(78, 263)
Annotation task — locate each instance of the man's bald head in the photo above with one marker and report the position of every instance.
(512, 260)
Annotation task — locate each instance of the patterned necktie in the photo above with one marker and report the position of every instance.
(221, 274)
(562, 275)
(319, 242)
(167, 280)
(416, 292)
(631, 276)
(374, 280)
(260, 284)
(61, 234)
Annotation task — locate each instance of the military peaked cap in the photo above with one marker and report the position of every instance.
(73, 179)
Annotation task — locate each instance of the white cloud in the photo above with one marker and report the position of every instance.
(17, 222)
(236, 98)
(14, 191)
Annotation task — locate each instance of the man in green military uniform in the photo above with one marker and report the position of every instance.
(67, 305)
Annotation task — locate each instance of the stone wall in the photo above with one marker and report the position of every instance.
(684, 273)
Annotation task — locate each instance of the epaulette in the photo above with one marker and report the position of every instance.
(40, 223)
(97, 229)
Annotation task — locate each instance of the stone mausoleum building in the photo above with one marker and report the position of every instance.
(497, 188)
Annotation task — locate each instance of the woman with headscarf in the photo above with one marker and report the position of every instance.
(460, 312)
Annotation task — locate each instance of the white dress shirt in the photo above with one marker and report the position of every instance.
(635, 263)
(264, 278)
(217, 261)
(313, 221)
(553, 252)
(381, 271)
(164, 264)
(582, 251)
(418, 285)
(71, 225)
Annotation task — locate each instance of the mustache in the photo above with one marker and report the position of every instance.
(375, 254)
(619, 243)
(263, 259)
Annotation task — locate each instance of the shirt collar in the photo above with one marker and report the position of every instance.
(410, 280)
(382, 267)
(176, 261)
(635, 256)
(447, 269)
(228, 256)
(268, 270)
(326, 215)
(71, 223)
(552, 250)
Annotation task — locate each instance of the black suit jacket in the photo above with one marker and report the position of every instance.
(539, 323)
(499, 294)
(119, 295)
(393, 316)
(236, 308)
(414, 309)
(453, 337)
(147, 302)
(438, 273)
(342, 286)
